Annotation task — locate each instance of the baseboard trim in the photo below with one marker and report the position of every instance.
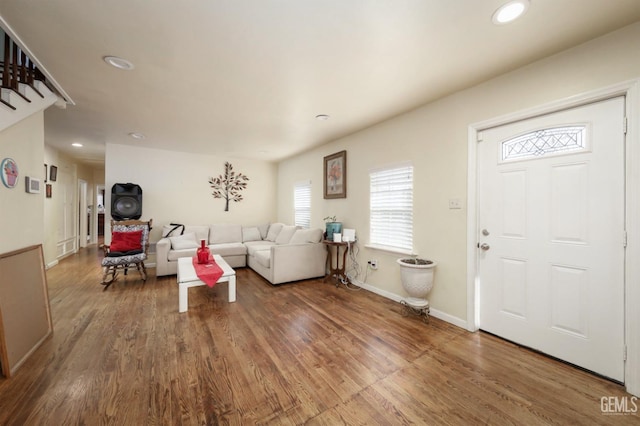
(52, 264)
(458, 322)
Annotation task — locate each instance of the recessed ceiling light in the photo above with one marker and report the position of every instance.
(137, 135)
(323, 117)
(77, 144)
(119, 63)
(510, 11)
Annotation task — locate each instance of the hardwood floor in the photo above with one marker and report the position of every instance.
(303, 353)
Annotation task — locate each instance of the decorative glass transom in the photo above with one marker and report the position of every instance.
(556, 140)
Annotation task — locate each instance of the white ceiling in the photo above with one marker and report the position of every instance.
(245, 78)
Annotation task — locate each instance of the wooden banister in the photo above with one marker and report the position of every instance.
(13, 83)
(17, 68)
(7, 61)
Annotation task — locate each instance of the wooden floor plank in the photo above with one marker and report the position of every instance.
(301, 353)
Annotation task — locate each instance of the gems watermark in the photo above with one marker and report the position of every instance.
(619, 405)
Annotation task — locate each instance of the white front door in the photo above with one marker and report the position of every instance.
(551, 234)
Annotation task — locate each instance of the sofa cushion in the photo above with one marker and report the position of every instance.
(201, 231)
(185, 241)
(306, 236)
(124, 253)
(263, 257)
(264, 229)
(285, 235)
(174, 255)
(251, 233)
(225, 233)
(274, 230)
(132, 258)
(228, 249)
(253, 246)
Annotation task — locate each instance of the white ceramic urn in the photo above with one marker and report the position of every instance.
(417, 279)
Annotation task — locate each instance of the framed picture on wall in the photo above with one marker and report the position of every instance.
(9, 172)
(48, 188)
(46, 173)
(53, 173)
(335, 175)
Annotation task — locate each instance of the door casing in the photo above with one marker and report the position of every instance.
(631, 90)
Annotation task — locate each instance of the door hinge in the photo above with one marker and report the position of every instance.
(624, 125)
(479, 137)
(624, 353)
(624, 239)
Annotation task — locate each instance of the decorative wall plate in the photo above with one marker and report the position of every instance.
(9, 172)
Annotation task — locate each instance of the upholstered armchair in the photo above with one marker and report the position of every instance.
(128, 249)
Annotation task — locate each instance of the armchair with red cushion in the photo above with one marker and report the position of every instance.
(128, 249)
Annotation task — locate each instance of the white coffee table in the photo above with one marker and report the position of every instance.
(187, 278)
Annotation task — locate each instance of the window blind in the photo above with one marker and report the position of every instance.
(302, 204)
(391, 207)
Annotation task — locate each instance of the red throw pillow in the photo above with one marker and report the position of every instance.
(126, 241)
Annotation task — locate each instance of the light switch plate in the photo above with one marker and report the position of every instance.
(455, 203)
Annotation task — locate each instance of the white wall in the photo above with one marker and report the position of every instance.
(28, 219)
(175, 187)
(21, 214)
(434, 137)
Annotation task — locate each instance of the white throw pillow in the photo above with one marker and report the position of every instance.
(185, 241)
(274, 230)
(172, 230)
(263, 230)
(285, 235)
(251, 234)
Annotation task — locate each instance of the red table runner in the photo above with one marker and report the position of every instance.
(209, 273)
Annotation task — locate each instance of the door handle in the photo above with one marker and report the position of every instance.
(485, 246)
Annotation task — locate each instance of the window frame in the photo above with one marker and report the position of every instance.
(376, 236)
(305, 222)
(515, 148)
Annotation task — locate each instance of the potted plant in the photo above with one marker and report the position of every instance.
(332, 227)
(417, 279)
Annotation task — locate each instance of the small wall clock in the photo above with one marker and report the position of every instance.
(9, 172)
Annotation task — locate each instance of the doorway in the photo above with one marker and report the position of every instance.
(100, 202)
(84, 215)
(551, 221)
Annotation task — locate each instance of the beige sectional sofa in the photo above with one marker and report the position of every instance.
(278, 252)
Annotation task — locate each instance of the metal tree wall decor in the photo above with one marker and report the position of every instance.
(228, 185)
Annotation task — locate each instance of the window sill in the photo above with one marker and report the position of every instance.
(390, 249)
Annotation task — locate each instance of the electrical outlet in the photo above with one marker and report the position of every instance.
(374, 264)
